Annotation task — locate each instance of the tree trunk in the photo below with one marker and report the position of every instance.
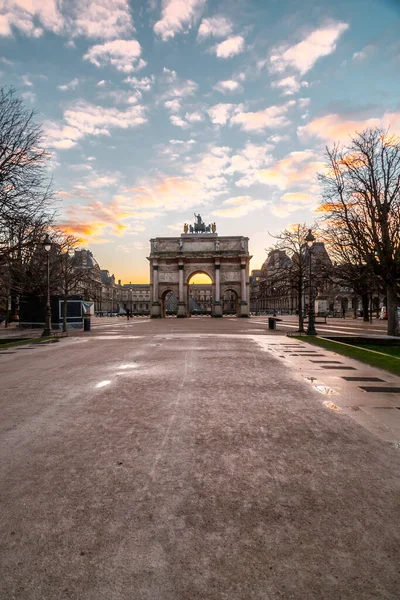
(65, 300)
(300, 307)
(392, 302)
(355, 306)
(365, 307)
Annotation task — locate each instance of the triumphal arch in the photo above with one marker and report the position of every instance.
(199, 249)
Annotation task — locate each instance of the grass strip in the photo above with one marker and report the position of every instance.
(364, 355)
(40, 340)
(390, 350)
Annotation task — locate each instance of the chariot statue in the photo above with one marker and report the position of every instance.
(199, 226)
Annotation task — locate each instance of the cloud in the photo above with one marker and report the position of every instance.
(238, 206)
(177, 16)
(29, 96)
(89, 221)
(276, 139)
(178, 121)
(85, 232)
(340, 128)
(122, 96)
(269, 118)
(296, 168)
(298, 198)
(247, 161)
(26, 81)
(231, 47)
(218, 26)
(124, 55)
(30, 17)
(177, 87)
(83, 119)
(173, 105)
(69, 86)
(95, 181)
(144, 84)
(290, 85)
(209, 171)
(220, 113)
(201, 182)
(106, 19)
(182, 142)
(292, 202)
(303, 102)
(170, 193)
(366, 52)
(176, 149)
(302, 56)
(228, 86)
(194, 117)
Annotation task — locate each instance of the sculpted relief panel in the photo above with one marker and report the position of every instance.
(230, 276)
(165, 277)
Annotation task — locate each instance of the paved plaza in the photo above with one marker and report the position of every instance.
(196, 459)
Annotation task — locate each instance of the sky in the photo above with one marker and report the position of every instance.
(154, 110)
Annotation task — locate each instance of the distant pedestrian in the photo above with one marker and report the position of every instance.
(343, 312)
(128, 313)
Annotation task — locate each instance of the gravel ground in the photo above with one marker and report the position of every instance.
(150, 460)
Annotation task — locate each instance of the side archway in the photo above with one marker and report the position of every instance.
(169, 302)
(230, 299)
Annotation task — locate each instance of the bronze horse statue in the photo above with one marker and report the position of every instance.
(200, 226)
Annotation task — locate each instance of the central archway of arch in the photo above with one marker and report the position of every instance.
(199, 293)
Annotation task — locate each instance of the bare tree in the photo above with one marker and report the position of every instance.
(71, 277)
(292, 274)
(361, 196)
(350, 269)
(26, 197)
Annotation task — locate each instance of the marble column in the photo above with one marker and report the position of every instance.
(243, 282)
(180, 283)
(217, 299)
(181, 313)
(155, 283)
(217, 284)
(155, 306)
(244, 307)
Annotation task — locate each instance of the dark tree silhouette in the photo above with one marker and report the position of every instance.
(361, 201)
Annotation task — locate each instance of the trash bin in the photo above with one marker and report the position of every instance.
(271, 323)
(86, 323)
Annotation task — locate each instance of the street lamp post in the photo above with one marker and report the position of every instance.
(310, 239)
(274, 300)
(47, 313)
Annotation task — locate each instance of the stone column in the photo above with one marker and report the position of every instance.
(181, 304)
(155, 306)
(217, 299)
